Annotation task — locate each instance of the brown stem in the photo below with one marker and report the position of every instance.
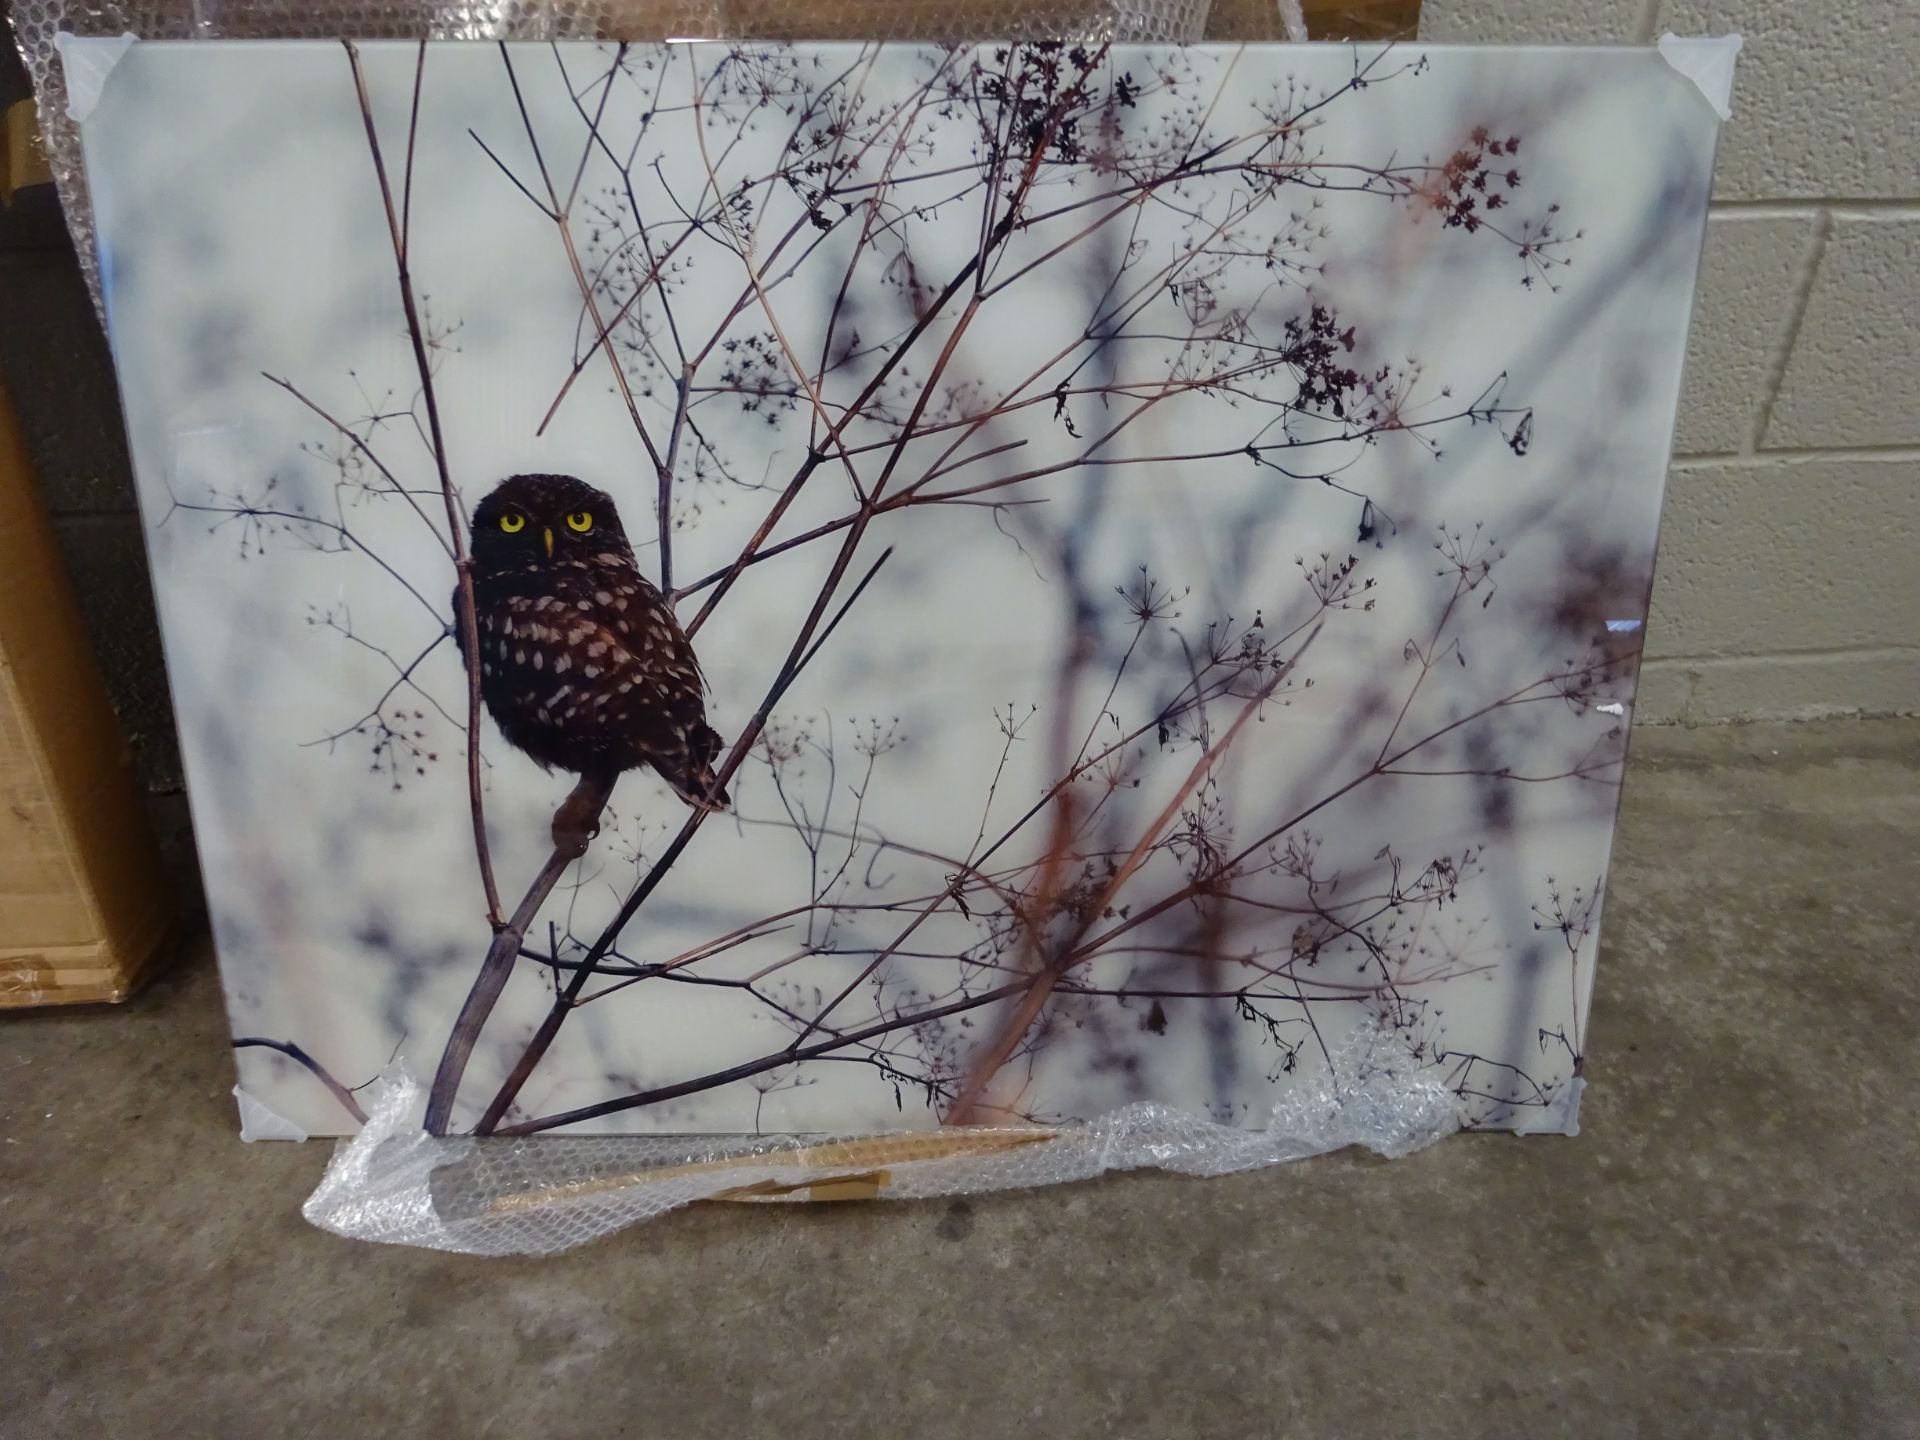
(1004, 1043)
(456, 532)
(573, 821)
(365, 451)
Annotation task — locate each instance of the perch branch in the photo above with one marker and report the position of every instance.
(581, 810)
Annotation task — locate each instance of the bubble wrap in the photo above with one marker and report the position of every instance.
(36, 22)
(395, 1184)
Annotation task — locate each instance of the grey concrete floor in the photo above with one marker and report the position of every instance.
(1729, 1248)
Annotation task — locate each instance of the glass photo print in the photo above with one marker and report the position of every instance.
(742, 588)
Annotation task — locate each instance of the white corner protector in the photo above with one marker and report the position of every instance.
(1706, 60)
(1561, 1115)
(257, 1122)
(86, 61)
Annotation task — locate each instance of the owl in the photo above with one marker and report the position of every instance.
(582, 663)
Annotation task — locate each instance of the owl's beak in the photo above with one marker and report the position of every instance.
(548, 534)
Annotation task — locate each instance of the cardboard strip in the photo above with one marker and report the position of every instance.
(22, 161)
(853, 1155)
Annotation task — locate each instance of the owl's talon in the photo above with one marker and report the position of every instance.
(571, 837)
(577, 821)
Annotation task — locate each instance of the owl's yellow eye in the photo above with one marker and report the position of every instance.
(513, 524)
(580, 521)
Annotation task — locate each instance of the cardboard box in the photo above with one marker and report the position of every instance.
(84, 906)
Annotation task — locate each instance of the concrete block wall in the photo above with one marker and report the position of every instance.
(1789, 574)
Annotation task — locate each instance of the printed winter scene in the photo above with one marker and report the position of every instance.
(732, 588)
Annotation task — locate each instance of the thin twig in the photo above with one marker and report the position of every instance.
(456, 528)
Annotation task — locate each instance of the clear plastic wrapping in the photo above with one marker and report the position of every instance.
(395, 1184)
